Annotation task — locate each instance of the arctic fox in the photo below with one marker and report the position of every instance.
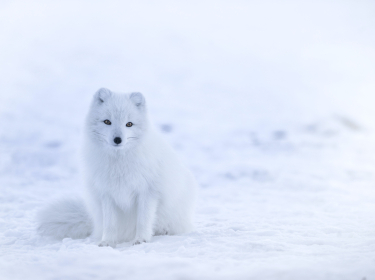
(135, 185)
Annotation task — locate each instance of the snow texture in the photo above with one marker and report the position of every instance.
(269, 103)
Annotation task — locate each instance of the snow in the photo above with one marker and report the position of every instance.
(269, 103)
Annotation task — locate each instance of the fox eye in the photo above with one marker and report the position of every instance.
(129, 124)
(107, 122)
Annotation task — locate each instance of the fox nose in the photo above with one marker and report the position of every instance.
(117, 140)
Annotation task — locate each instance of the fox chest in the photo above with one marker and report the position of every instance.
(123, 183)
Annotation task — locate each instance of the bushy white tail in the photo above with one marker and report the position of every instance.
(65, 218)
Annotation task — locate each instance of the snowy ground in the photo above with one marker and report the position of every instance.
(270, 104)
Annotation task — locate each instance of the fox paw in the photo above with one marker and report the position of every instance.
(139, 241)
(104, 243)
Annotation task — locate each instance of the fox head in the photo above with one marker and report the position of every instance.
(117, 120)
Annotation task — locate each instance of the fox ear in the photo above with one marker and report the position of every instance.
(138, 99)
(102, 94)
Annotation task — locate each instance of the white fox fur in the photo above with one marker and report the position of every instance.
(134, 189)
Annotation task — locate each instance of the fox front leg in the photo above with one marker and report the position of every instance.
(146, 212)
(110, 223)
